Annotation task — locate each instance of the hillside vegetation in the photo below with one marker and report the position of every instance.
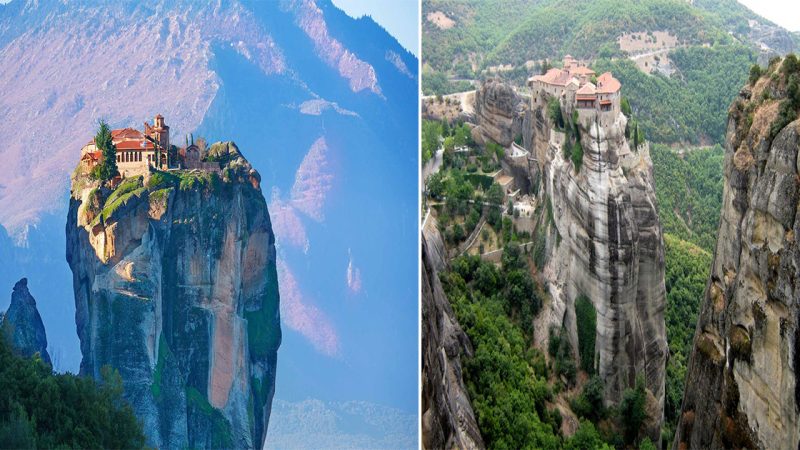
(689, 193)
(692, 105)
(715, 48)
(39, 409)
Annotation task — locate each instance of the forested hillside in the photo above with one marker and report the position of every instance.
(689, 193)
(685, 277)
(715, 42)
(691, 106)
(40, 409)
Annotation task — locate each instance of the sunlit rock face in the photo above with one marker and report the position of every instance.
(604, 241)
(176, 287)
(741, 382)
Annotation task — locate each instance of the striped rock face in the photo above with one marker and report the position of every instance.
(604, 241)
(741, 382)
(176, 287)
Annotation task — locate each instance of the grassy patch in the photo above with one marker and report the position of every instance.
(114, 202)
(263, 333)
(159, 179)
(160, 195)
(198, 180)
(586, 318)
(127, 186)
(163, 354)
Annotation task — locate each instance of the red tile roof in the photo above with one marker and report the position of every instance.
(582, 71)
(607, 84)
(587, 89)
(134, 145)
(554, 76)
(126, 133)
(94, 156)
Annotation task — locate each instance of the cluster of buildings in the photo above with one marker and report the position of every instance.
(578, 88)
(139, 151)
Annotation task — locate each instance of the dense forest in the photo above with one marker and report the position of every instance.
(685, 276)
(689, 107)
(40, 409)
(502, 32)
(510, 382)
(689, 192)
(692, 105)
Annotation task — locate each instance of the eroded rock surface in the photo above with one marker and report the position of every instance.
(176, 287)
(22, 326)
(604, 241)
(498, 113)
(447, 417)
(741, 382)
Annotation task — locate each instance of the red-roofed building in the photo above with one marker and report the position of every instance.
(136, 150)
(574, 88)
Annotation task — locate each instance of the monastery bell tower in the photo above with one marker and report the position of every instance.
(161, 132)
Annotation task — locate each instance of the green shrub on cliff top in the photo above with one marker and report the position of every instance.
(128, 188)
(159, 179)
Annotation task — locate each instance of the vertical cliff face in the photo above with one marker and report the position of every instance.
(176, 287)
(22, 326)
(498, 113)
(604, 241)
(741, 383)
(447, 420)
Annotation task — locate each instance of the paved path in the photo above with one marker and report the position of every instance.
(472, 237)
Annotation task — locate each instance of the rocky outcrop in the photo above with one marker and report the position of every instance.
(498, 113)
(604, 241)
(447, 417)
(741, 382)
(22, 326)
(176, 287)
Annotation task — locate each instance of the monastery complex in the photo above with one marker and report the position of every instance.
(139, 151)
(575, 87)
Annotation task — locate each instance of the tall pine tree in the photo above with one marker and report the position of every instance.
(108, 166)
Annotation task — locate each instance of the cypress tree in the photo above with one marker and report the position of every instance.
(104, 142)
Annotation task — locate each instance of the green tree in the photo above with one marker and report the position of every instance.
(436, 185)
(632, 410)
(790, 64)
(577, 156)
(431, 131)
(586, 319)
(40, 409)
(554, 112)
(585, 438)
(625, 106)
(105, 144)
(755, 73)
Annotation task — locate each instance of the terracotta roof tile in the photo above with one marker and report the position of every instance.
(607, 84)
(134, 145)
(582, 71)
(587, 89)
